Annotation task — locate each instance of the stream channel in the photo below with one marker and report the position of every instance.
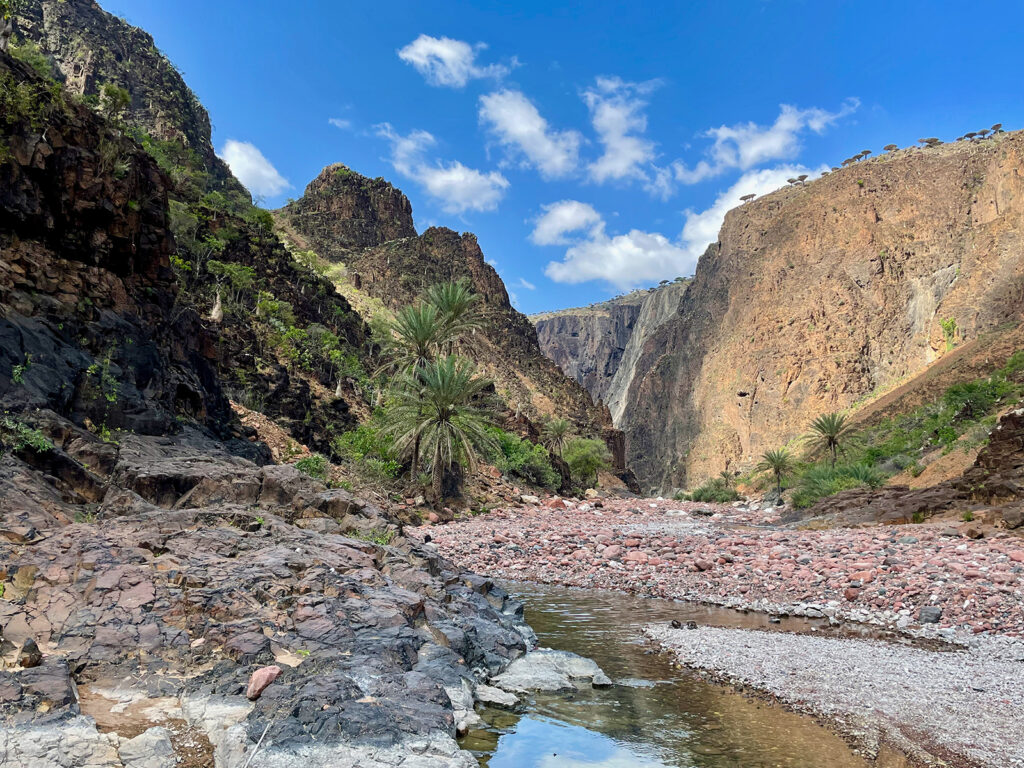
(656, 715)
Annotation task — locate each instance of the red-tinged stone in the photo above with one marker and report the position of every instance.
(703, 565)
(851, 594)
(260, 679)
(1018, 556)
(864, 576)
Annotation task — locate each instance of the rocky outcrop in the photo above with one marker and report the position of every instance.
(87, 326)
(367, 225)
(818, 294)
(343, 212)
(91, 48)
(991, 489)
(196, 573)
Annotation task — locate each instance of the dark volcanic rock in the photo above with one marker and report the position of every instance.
(375, 641)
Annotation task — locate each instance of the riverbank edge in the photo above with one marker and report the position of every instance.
(869, 736)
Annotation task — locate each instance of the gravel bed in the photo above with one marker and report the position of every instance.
(965, 707)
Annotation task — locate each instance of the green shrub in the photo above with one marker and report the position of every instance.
(29, 53)
(15, 435)
(522, 458)
(315, 466)
(586, 457)
(368, 447)
(821, 480)
(717, 489)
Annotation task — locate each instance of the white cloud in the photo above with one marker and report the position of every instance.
(447, 62)
(455, 186)
(516, 123)
(746, 145)
(527, 284)
(341, 123)
(625, 261)
(562, 218)
(619, 758)
(617, 113)
(638, 257)
(250, 167)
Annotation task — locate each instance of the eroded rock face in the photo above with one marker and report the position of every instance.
(818, 294)
(588, 343)
(195, 569)
(86, 288)
(91, 47)
(600, 345)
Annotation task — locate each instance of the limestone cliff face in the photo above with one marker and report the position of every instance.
(367, 225)
(600, 345)
(91, 47)
(816, 295)
(588, 343)
(658, 307)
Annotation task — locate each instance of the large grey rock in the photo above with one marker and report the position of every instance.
(150, 749)
(549, 670)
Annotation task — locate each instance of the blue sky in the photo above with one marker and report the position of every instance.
(592, 147)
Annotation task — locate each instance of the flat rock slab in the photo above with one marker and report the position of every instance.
(495, 697)
(549, 670)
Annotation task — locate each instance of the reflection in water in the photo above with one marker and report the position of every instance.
(655, 716)
(549, 744)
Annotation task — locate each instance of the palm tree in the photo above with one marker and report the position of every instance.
(555, 434)
(456, 311)
(780, 463)
(830, 432)
(438, 409)
(416, 332)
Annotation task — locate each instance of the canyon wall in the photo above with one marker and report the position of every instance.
(819, 294)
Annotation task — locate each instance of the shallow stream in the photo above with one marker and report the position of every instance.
(656, 716)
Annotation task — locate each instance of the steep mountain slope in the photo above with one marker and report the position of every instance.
(819, 294)
(599, 345)
(140, 523)
(91, 48)
(367, 224)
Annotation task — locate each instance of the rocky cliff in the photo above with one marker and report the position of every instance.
(819, 294)
(91, 48)
(588, 343)
(367, 225)
(599, 345)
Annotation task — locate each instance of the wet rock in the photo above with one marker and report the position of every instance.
(549, 670)
(495, 697)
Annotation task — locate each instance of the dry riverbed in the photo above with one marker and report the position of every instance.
(913, 577)
(962, 704)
